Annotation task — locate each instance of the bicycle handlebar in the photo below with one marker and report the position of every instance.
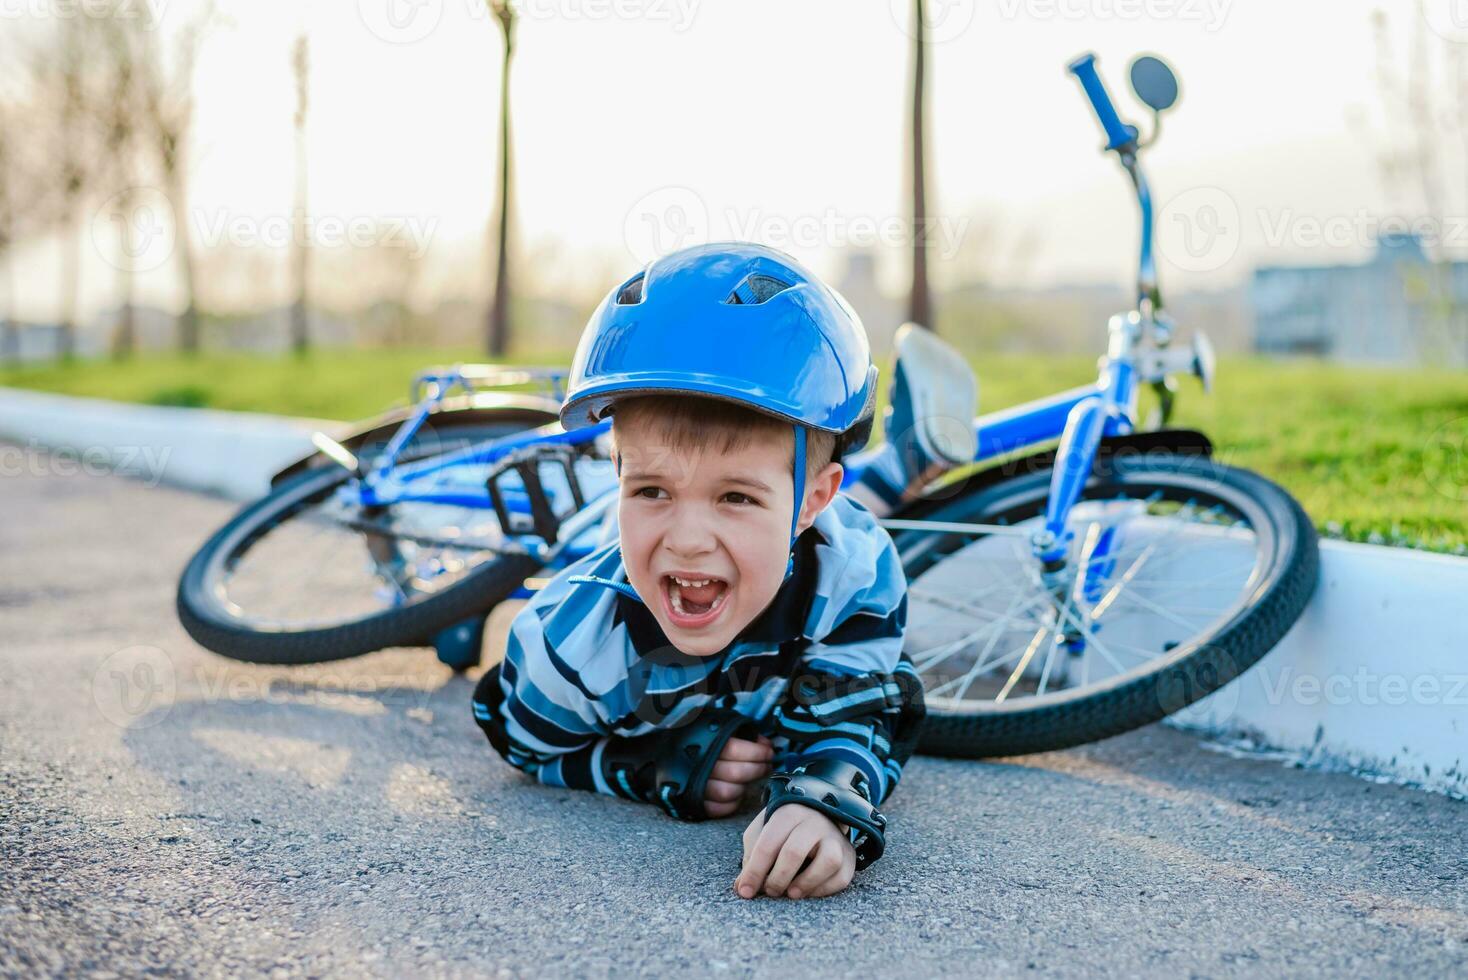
(1118, 133)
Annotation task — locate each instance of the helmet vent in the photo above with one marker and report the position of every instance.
(755, 290)
(631, 293)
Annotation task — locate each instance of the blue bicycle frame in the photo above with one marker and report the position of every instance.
(1078, 418)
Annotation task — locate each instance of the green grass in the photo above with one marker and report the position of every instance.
(336, 384)
(1374, 455)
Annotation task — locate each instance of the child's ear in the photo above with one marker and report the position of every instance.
(820, 492)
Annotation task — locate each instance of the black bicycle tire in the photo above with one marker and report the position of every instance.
(1188, 675)
(411, 625)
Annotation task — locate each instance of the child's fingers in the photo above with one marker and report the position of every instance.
(823, 876)
(751, 834)
(743, 750)
(721, 791)
(801, 843)
(837, 882)
(761, 855)
(717, 810)
(739, 772)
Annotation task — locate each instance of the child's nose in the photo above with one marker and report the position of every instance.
(689, 533)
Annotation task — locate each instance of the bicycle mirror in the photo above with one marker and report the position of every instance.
(1153, 82)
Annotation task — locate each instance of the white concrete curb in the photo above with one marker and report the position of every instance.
(1373, 678)
(229, 453)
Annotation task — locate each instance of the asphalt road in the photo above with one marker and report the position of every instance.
(163, 810)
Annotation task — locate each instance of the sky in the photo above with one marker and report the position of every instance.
(642, 124)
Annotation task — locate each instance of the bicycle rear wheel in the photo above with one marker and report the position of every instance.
(308, 574)
(1182, 572)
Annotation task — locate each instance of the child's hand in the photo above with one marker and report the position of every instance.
(775, 852)
(740, 763)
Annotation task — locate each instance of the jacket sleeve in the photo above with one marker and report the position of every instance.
(855, 696)
(538, 715)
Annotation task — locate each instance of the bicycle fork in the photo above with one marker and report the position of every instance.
(1108, 412)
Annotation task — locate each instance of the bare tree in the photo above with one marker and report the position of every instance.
(12, 216)
(300, 330)
(61, 78)
(117, 109)
(165, 84)
(1422, 151)
(920, 299)
(36, 163)
(499, 326)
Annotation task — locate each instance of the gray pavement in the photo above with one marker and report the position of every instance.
(163, 810)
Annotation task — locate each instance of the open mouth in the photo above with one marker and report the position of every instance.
(692, 603)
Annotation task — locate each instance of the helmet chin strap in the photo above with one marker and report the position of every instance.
(799, 494)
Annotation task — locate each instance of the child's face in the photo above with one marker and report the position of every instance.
(720, 517)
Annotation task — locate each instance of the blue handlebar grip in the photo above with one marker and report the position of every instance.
(1117, 133)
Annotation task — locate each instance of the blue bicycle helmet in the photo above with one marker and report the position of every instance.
(740, 322)
(734, 321)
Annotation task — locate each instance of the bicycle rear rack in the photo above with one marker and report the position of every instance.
(436, 382)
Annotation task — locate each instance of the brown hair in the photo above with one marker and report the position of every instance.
(686, 423)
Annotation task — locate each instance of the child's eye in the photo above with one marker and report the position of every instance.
(647, 493)
(742, 498)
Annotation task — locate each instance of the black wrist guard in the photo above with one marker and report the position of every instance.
(674, 773)
(840, 791)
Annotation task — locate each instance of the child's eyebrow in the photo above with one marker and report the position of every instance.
(736, 481)
(741, 481)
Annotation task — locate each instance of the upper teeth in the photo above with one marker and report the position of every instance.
(691, 583)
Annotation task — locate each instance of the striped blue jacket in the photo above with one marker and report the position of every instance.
(820, 671)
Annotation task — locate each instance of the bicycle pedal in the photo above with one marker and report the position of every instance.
(542, 520)
(459, 646)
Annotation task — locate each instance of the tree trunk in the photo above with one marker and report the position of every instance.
(920, 301)
(188, 321)
(300, 328)
(125, 334)
(9, 329)
(499, 328)
(70, 282)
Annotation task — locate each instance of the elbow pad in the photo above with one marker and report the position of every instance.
(672, 768)
(840, 791)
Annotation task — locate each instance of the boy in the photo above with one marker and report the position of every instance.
(748, 622)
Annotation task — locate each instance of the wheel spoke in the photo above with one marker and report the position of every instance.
(1045, 670)
(1040, 636)
(1166, 559)
(324, 564)
(981, 663)
(933, 655)
(1091, 638)
(957, 605)
(1098, 610)
(1160, 610)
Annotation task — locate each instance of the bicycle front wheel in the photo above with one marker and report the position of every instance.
(1181, 572)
